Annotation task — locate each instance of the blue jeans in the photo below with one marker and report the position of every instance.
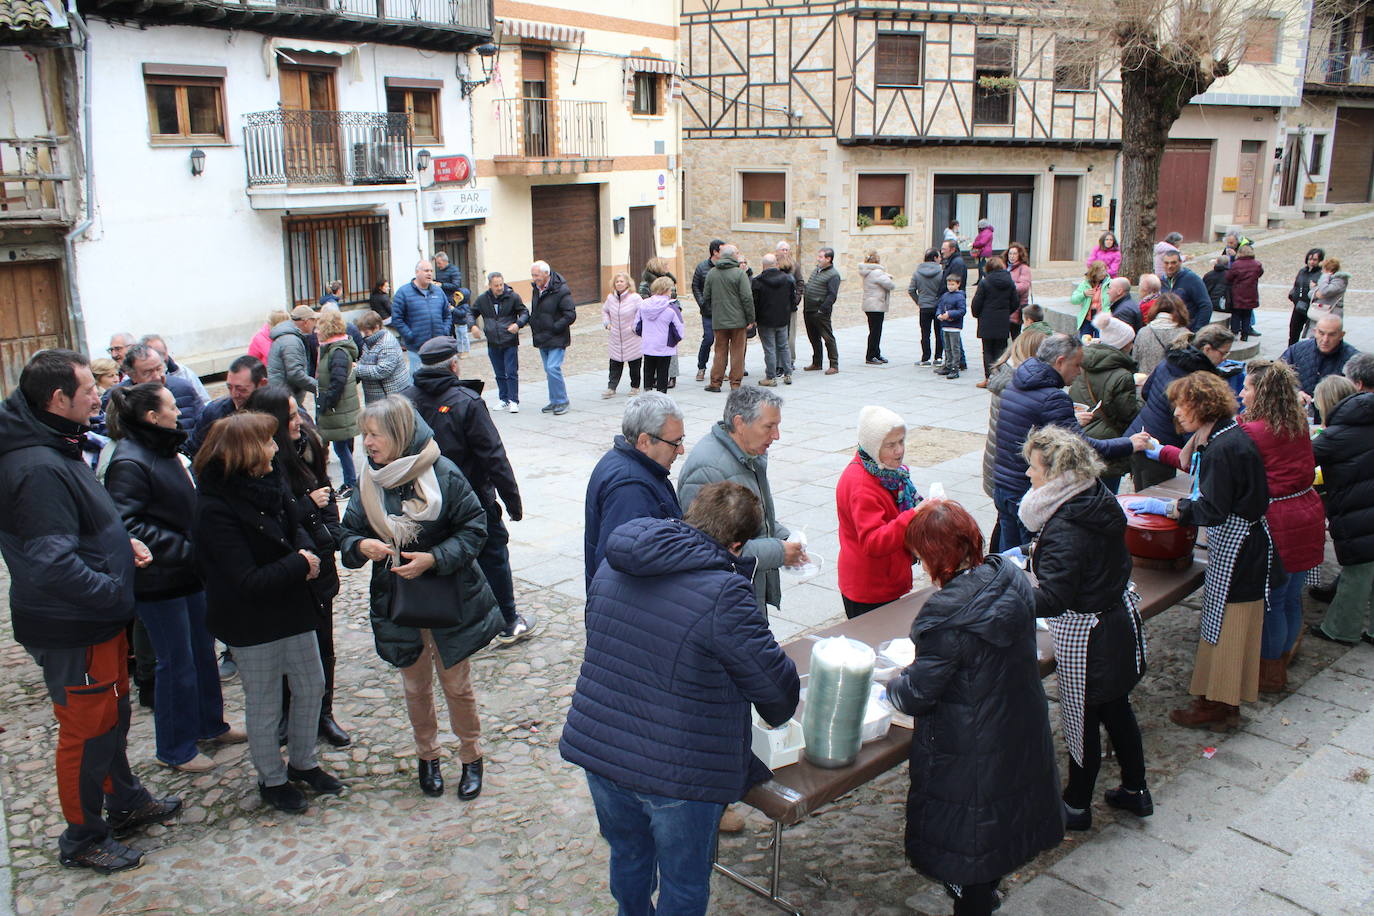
(777, 359)
(188, 705)
(708, 342)
(343, 448)
(505, 362)
(413, 356)
(660, 842)
(1013, 533)
(1283, 614)
(553, 368)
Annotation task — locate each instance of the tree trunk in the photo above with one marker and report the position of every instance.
(1143, 135)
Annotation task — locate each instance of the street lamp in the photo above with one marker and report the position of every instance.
(423, 159)
(487, 53)
(197, 162)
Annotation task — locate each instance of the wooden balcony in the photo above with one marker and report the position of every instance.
(447, 25)
(550, 137)
(37, 187)
(327, 148)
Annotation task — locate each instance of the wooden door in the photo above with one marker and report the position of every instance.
(1184, 188)
(33, 315)
(456, 242)
(534, 93)
(310, 134)
(642, 246)
(566, 230)
(1247, 181)
(1352, 156)
(1064, 219)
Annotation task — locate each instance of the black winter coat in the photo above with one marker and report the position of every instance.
(1345, 451)
(247, 533)
(774, 297)
(1231, 481)
(1301, 293)
(984, 796)
(1157, 414)
(320, 524)
(498, 313)
(455, 538)
(155, 496)
(1081, 564)
(70, 564)
(462, 426)
(993, 304)
(699, 285)
(552, 313)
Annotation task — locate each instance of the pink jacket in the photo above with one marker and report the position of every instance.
(618, 315)
(261, 344)
(1112, 258)
(982, 243)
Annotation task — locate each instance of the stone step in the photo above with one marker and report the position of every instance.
(1275, 822)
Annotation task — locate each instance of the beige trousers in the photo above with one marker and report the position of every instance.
(418, 681)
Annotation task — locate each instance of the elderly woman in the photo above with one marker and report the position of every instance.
(336, 404)
(1083, 573)
(1229, 498)
(984, 796)
(618, 315)
(877, 289)
(982, 243)
(1275, 419)
(258, 564)
(416, 516)
(1107, 386)
(875, 498)
(1089, 296)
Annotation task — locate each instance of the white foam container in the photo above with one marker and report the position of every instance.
(778, 747)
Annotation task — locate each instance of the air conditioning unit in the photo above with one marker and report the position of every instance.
(377, 163)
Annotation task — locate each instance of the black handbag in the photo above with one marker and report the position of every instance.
(430, 601)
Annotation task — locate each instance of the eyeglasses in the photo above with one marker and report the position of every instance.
(115, 350)
(675, 443)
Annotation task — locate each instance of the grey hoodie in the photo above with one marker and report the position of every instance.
(927, 283)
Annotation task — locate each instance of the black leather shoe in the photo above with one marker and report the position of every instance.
(332, 733)
(1081, 820)
(317, 779)
(285, 797)
(105, 857)
(470, 784)
(1316, 630)
(1138, 803)
(431, 780)
(154, 811)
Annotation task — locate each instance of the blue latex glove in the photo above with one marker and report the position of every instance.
(1154, 453)
(1015, 553)
(1150, 506)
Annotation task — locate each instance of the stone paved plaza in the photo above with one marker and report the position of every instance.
(529, 843)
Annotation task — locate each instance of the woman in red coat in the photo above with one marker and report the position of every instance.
(875, 499)
(1274, 418)
(1243, 278)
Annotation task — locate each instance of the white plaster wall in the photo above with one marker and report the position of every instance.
(21, 96)
(187, 256)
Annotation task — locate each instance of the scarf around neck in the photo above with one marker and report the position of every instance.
(424, 504)
(896, 481)
(1038, 506)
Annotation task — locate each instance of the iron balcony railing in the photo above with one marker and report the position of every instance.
(327, 148)
(467, 14)
(34, 182)
(551, 128)
(1341, 67)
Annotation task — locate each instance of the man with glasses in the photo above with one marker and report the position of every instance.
(631, 480)
(119, 345)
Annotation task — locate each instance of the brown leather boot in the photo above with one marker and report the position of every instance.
(1204, 713)
(1273, 675)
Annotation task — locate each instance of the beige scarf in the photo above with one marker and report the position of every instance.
(401, 530)
(1037, 506)
(1195, 441)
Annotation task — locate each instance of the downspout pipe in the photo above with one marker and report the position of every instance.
(87, 140)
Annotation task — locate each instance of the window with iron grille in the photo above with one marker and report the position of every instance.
(354, 248)
(1075, 64)
(993, 83)
(897, 59)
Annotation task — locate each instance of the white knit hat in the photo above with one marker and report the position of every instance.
(1113, 331)
(874, 425)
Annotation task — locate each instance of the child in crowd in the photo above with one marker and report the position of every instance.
(950, 311)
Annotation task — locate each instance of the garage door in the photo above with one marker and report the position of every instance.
(1183, 189)
(1352, 156)
(33, 316)
(567, 234)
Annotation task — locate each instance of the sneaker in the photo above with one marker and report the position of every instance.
(227, 666)
(951, 375)
(153, 811)
(883, 360)
(941, 370)
(634, 392)
(285, 798)
(344, 493)
(561, 409)
(525, 626)
(105, 858)
(701, 375)
(874, 362)
(502, 406)
(924, 362)
(832, 370)
(235, 735)
(514, 407)
(548, 408)
(787, 379)
(317, 779)
(768, 383)
(1255, 334)
(197, 764)
(608, 393)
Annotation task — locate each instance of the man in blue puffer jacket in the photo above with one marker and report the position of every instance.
(677, 652)
(420, 312)
(1035, 398)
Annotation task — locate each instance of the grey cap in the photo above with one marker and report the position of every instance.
(438, 350)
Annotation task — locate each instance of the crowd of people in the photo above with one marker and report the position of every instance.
(144, 521)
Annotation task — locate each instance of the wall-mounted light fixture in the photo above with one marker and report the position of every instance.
(487, 54)
(422, 160)
(618, 224)
(1051, 168)
(197, 161)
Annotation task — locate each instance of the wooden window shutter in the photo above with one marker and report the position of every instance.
(882, 191)
(763, 186)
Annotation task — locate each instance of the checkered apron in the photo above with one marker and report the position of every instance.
(1224, 542)
(1071, 631)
